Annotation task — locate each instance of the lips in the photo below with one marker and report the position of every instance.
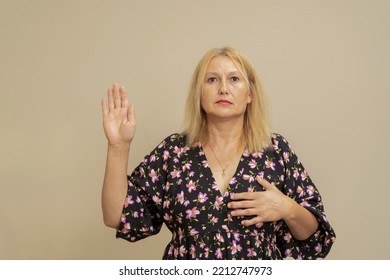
(224, 102)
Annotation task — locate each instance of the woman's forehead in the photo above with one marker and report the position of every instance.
(223, 63)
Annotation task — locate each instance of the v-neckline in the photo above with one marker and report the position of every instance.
(211, 175)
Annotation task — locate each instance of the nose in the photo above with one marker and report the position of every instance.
(223, 89)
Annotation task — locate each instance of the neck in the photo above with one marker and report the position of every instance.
(225, 135)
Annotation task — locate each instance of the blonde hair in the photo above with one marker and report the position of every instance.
(256, 122)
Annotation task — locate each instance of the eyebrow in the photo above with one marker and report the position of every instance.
(230, 73)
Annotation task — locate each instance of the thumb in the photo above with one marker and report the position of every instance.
(131, 113)
(264, 183)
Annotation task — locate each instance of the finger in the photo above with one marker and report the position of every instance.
(254, 221)
(131, 113)
(104, 107)
(243, 204)
(267, 185)
(110, 100)
(242, 196)
(244, 212)
(117, 97)
(124, 98)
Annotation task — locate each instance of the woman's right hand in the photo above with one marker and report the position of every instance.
(118, 117)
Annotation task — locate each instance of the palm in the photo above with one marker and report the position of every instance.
(118, 117)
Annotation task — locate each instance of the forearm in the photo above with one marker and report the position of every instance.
(115, 184)
(300, 221)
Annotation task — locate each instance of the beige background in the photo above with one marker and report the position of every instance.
(324, 64)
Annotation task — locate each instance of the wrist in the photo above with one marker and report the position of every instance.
(291, 209)
(119, 146)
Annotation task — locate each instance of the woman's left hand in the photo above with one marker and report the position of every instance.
(268, 206)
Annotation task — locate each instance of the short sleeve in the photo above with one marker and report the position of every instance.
(142, 211)
(299, 186)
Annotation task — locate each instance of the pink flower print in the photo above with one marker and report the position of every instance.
(202, 197)
(257, 155)
(167, 186)
(270, 164)
(152, 158)
(218, 253)
(288, 252)
(214, 220)
(167, 217)
(218, 202)
(191, 174)
(318, 248)
(186, 166)
(310, 190)
(182, 251)
(233, 181)
(304, 204)
(135, 214)
(194, 232)
(175, 174)
(181, 234)
(191, 186)
(236, 247)
(170, 251)
(166, 203)
(286, 157)
(304, 175)
(192, 251)
(153, 175)
(300, 191)
(276, 144)
(126, 228)
(177, 151)
(156, 199)
(251, 252)
(252, 163)
(287, 237)
(261, 174)
(192, 213)
(206, 252)
(180, 197)
(123, 218)
(219, 237)
(296, 174)
(248, 178)
(166, 155)
(129, 200)
(205, 163)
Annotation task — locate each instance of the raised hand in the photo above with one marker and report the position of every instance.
(118, 117)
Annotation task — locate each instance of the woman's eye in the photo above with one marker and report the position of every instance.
(212, 80)
(235, 79)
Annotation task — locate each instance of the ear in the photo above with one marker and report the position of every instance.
(249, 97)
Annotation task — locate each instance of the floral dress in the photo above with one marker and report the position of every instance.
(174, 185)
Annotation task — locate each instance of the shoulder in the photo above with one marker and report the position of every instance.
(280, 143)
(173, 140)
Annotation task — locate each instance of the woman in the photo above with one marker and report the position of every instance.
(226, 187)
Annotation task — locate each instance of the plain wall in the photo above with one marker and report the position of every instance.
(324, 66)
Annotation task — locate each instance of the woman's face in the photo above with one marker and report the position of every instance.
(225, 92)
